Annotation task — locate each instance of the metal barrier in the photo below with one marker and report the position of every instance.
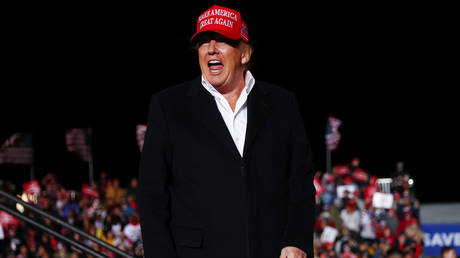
(52, 232)
(61, 223)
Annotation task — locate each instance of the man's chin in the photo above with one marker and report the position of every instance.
(216, 81)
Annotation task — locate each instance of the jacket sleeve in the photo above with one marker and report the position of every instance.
(301, 206)
(153, 193)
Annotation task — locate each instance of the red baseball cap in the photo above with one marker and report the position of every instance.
(224, 21)
(351, 202)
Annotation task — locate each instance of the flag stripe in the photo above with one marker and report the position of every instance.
(140, 133)
(77, 142)
(17, 150)
(332, 133)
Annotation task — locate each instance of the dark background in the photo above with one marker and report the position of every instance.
(383, 69)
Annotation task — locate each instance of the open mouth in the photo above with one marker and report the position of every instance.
(215, 66)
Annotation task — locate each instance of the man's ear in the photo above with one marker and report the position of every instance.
(246, 53)
(245, 58)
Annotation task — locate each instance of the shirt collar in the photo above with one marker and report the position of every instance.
(248, 80)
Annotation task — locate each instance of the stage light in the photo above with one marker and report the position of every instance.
(410, 181)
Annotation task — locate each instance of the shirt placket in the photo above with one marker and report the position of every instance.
(229, 115)
(238, 110)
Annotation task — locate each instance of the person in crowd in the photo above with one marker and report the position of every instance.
(334, 213)
(391, 220)
(339, 173)
(51, 185)
(368, 224)
(62, 252)
(132, 189)
(400, 177)
(448, 252)
(328, 195)
(370, 189)
(133, 229)
(360, 178)
(385, 235)
(114, 191)
(131, 201)
(110, 237)
(23, 251)
(394, 253)
(354, 164)
(322, 221)
(347, 196)
(351, 217)
(400, 172)
(102, 183)
(407, 220)
(344, 238)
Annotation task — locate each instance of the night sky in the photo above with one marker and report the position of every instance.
(383, 70)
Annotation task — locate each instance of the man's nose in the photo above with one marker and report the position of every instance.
(212, 49)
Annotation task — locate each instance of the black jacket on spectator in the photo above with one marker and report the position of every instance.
(198, 198)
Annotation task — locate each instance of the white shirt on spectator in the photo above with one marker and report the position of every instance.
(132, 231)
(116, 229)
(236, 121)
(366, 226)
(350, 220)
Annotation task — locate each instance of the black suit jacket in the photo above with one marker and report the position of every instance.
(199, 198)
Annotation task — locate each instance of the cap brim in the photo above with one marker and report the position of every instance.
(216, 30)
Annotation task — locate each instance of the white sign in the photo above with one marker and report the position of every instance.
(329, 234)
(442, 239)
(342, 188)
(382, 200)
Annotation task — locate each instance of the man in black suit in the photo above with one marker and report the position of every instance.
(226, 167)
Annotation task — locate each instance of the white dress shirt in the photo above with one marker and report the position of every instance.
(237, 120)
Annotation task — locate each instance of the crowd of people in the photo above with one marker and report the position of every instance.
(104, 210)
(352, 223)
(349, 223)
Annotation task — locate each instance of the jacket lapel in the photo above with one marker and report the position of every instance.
(258, 111)
(203, 107)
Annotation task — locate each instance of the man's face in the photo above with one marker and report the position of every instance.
(355, 162)
(221, 60)
(450, 254)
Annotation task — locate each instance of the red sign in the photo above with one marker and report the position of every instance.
(32, 187)
(360, 175)
(7, 219)
(318, 186)
(342, 170)
(88, 191)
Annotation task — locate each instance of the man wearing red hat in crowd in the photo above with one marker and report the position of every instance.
(226, 166)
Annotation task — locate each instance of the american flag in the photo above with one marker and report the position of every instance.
(332, 133)
(244, 31)
(140, 133)
(17, 150)
(77, 140)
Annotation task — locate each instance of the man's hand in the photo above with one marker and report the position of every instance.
(292, 252)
